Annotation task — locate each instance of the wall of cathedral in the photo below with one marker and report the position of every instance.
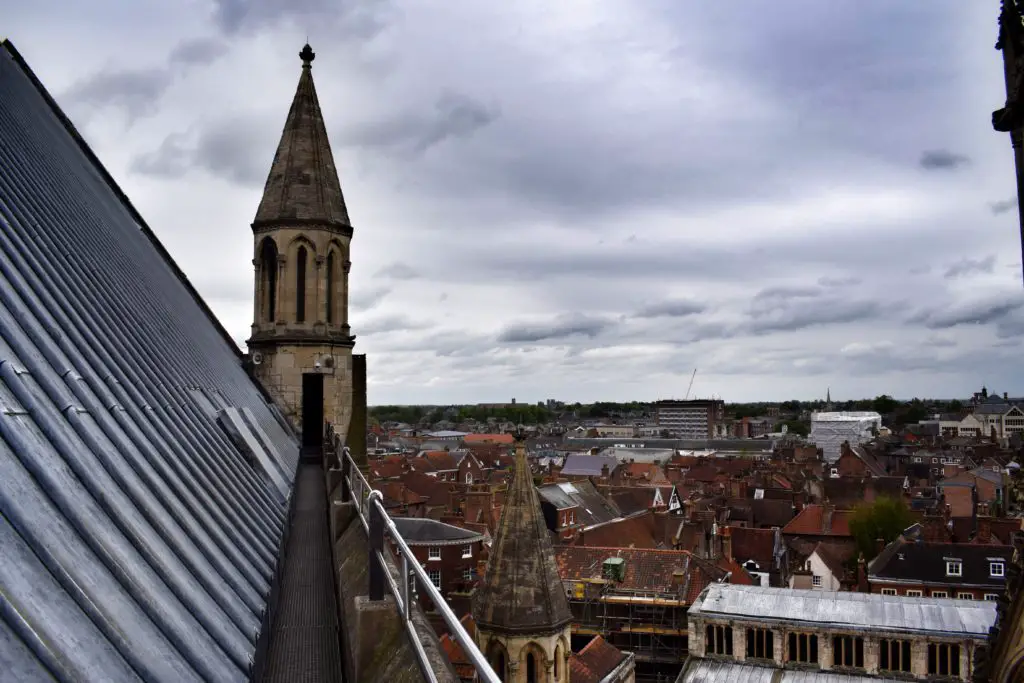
(281, 373)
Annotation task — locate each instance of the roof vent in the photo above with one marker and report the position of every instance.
(614, 568)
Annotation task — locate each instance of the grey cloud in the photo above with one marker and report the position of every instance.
(454, 115)
(171, 159)
(198, 51)
(941, 159)
(389, 323)
(848, 281)
(398, 271)
(224, 149)
(348, 19)
(787, 292)
(939, 342)
(676, 308)
(137, 91)
(1003, 205)
(969, 266)
(789, 318)
(1012, 325)
(978, 312)
(560, 328)
(365, 299)
(134, 91)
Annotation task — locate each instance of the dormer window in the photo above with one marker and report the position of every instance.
(997, 568)
(954, 568)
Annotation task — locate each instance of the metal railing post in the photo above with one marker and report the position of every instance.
(346, 473)
(377, 567)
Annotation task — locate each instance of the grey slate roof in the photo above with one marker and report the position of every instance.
(750, 446)
(139, 539)
(418, 531)
(853, 611)
(593, 507)
(587, 465)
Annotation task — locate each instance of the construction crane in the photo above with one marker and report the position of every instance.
(691, 384)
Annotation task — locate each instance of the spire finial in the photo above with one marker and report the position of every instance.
(307, 55)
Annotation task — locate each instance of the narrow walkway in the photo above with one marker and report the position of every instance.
(304, 646)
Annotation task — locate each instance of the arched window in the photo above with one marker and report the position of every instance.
(268, 279)
(498, 663)
(330, 287)
(558, 661)
(300, 286)
(531, 668)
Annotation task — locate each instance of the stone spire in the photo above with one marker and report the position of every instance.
(521, 592)
(303, 186)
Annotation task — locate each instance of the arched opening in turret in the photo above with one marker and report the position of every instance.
(531, 668)
(496, 658)
(330, 287)
(268, 278)
(300, 285)
(558, 662)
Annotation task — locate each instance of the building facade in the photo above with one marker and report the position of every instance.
(301, 346)
(739, 628)
(698, 419)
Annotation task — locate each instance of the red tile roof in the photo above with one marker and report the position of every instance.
(457, 656)
(629, 532)
(817, 520)
(753, 544)
(597, 659)
(489, 438)
(647, 569)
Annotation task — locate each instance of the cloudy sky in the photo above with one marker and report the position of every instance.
(587, 199)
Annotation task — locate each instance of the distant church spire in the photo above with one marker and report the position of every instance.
(521, 592)
(828, 395)
(303, 185)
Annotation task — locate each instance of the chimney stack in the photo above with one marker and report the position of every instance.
(727, 543)
(862, 575)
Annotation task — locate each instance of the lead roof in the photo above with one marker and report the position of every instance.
(139, 540)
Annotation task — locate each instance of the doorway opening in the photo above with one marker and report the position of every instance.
(312, 414)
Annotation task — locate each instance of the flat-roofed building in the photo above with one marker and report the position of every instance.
(698, 419)
(753, 633)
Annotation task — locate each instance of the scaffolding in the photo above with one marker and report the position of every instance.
(830, 430)
(651, 625)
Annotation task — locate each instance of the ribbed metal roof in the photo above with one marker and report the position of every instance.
(711, 671)
(856, 611)
(144, 481)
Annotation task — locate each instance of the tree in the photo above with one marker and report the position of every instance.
(884, 404)
(798, 427)
(884, 519)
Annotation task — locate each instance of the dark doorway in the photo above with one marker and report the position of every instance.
(312, 414)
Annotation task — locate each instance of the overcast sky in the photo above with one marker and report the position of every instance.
(587, 199)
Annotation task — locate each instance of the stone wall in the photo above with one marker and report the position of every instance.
(376, 646)
(281, 370)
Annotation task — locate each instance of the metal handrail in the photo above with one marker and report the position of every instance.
(369, 507)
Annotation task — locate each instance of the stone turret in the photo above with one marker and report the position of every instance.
(520, 608)
(301, 345)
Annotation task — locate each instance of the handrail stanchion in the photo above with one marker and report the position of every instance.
(378, 523)
(377, 568)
